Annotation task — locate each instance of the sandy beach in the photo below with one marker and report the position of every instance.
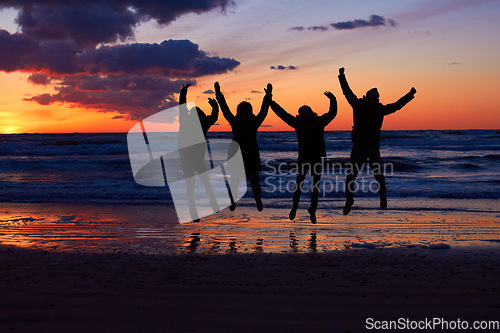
(46, 291)
(97, 268)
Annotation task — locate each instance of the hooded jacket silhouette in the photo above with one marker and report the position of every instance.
(368, 117)
(245, 126)
(310, 130)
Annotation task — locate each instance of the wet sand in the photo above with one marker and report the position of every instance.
(76, 268)
(155, 230)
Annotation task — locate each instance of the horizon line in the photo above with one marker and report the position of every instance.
(291, 130)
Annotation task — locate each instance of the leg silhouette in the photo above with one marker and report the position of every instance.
(210, 192)
(257, 190)
(234, 182)
(379, 177)
(315, 178)
(297, 191)
(349, 188)
(190, 183)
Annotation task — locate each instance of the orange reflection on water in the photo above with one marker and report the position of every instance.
(155, 230)
(67, 227)
(271, 231)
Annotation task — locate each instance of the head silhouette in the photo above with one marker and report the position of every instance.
(372, 95)
(244, 109)
(196, 110)
(306, 112)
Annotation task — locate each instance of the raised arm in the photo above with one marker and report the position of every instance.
(391, 108)
(223, 105)
(266, 101)
(332, 112)
(349, 95)
(285, 116)
(212, 119)
(183, 93)
(183, 110)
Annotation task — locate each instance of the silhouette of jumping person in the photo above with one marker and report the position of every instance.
(310, 129)
(245, 126)
(193, 156)
(368, 115)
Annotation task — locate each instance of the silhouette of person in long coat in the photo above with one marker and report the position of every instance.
(368, 115)
(193, 156)
(245, 126)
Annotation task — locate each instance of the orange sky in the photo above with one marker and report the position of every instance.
(450, 55)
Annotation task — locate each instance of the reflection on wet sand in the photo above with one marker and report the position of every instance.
(294, 244)
(194, 241)
(313, 246)
(154, 230)
(258, 245)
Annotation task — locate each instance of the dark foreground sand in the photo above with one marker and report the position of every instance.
(317, 292)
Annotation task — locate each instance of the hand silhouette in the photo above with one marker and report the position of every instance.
(213, 103)
(341, 70)
(269, 93)
(413, 90)
(217, 87)
(269, 90)
(329, 95)
(185, 87)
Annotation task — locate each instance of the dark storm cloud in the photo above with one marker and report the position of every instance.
(374, 21)
(165, 12)
(96, 21)
(39, 79)
(133, 79)
(171, 57)
(177, 58)
(69, 45)
(87, 25)
(134, 96)
(14, 48)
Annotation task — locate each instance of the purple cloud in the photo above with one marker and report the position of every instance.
(60, 43)
(97, 21)
(282, 68)
(134, 96)
(374, 21)
(39, 79)
(318, 28)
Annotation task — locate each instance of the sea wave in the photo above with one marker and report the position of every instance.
(93, 167)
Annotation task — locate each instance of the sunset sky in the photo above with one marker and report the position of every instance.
(100, 66)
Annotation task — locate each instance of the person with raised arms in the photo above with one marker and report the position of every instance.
(368, 115)
(310, 129)
(245, 126)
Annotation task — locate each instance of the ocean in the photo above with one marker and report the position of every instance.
(77, 192)
(95, 168)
